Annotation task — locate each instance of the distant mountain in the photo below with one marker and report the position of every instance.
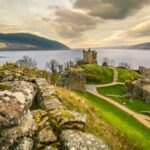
(25, 41)
(140, 46)
(145, 46)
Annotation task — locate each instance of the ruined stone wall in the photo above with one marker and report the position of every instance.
(141, 87)
(138, 90)
(32, 117)
(145, 72)
(73, 78)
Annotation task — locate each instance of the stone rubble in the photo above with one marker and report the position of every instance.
(49, 126)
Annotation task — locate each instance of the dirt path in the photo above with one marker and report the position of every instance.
(145, 120)
(115, 79)
(141, 118)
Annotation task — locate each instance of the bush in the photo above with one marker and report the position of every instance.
(96, 74)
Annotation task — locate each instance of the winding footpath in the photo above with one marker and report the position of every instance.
(145, 120)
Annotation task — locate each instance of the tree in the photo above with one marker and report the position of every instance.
(125, 65)
(105, 62)
(52, 65)
(28, 61)
(112, 62)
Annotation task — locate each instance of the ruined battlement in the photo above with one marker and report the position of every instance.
(89, 57)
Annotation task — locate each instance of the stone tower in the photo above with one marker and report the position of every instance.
(89, 57)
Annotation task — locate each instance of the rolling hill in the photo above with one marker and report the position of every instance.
(145, 46)
(140, 46)
(26, 41)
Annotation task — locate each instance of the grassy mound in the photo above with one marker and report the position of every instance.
(126, 74)
(96, 74)
(117, 91)
(134, 131)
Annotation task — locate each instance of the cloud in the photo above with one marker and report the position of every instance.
(9, 28)
(111, 9)
(140, 30)
(72, 24)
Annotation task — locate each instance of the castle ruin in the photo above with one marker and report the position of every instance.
(89, 57)
(141, 87)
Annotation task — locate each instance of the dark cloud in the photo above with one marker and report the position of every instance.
(111, 9)
(71, 24)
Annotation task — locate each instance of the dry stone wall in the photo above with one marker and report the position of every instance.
(49, 125)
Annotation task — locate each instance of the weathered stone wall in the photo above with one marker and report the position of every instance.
(67, 126)
(73, 78)
(15, 117)
(33, 117)
(145, 72)
(139, 89)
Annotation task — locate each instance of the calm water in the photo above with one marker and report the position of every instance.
(135, 58)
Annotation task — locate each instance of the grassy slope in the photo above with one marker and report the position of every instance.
(126, 74)
(126, 124)
(96, 123)
(96, 74)
(135, 104)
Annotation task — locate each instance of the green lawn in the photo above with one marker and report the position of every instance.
(126, 74)
(126, 124)
(134, 104)
(96, 74)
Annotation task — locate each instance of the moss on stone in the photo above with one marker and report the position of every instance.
(4, 86)
(66, 114)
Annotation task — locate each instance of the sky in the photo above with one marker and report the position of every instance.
(79, 23)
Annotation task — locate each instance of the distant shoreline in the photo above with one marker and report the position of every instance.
(36, 50)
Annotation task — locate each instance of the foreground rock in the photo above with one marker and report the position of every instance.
(76, 140)
(47, 135)
(24, 144)
(14, 103)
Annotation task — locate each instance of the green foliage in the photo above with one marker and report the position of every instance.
(55, 77)
(96, 74)
(134, 104)
(126, 74)
(4, 86)
(137, 134)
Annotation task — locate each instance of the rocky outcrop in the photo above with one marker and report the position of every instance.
(73, 78)
(49, 125)
(15, 117)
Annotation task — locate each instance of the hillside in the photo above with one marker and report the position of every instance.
(140, 46)
(25, 41)
(135, 46)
